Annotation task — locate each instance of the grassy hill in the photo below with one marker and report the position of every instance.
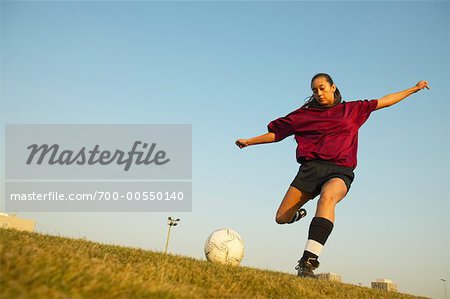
(41, 266)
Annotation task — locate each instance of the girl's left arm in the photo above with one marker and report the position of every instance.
(394, 98)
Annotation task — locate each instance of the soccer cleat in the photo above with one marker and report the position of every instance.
(298, 215)
(305, 268)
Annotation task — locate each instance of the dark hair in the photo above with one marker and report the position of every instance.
(312, 102)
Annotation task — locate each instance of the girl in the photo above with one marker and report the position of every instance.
(326, 132)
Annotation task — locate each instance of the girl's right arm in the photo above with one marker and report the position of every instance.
(266, 138)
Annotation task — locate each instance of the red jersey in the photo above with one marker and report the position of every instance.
(329, 134)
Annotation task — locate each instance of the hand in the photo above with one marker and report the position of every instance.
(241, 143)
(422, 84)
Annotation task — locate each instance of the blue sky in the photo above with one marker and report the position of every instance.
(229, 68)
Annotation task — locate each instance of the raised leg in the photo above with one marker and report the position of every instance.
(292, 201)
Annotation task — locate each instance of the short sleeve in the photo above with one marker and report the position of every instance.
(282, 127)
(363, 109)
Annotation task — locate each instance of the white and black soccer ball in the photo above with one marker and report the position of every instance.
(224, 246)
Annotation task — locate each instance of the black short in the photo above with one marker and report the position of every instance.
(313, 174)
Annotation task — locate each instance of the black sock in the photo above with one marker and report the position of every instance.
(319, 230)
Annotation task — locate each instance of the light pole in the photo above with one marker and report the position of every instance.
(445, 288)
(170, 222)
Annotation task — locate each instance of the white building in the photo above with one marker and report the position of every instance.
(12, 221)
(384, 284)
(329, 276)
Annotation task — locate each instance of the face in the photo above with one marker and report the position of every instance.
(323, 92)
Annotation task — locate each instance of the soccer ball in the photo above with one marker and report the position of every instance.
(224, 246)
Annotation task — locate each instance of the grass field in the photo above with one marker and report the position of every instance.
(42, 266)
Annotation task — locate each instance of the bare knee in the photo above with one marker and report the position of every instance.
(281, 218)
(329, 199)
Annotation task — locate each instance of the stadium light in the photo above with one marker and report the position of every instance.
(445, 288)
(170, 222)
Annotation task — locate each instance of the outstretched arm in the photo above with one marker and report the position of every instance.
(394, 98)
(266, 138)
